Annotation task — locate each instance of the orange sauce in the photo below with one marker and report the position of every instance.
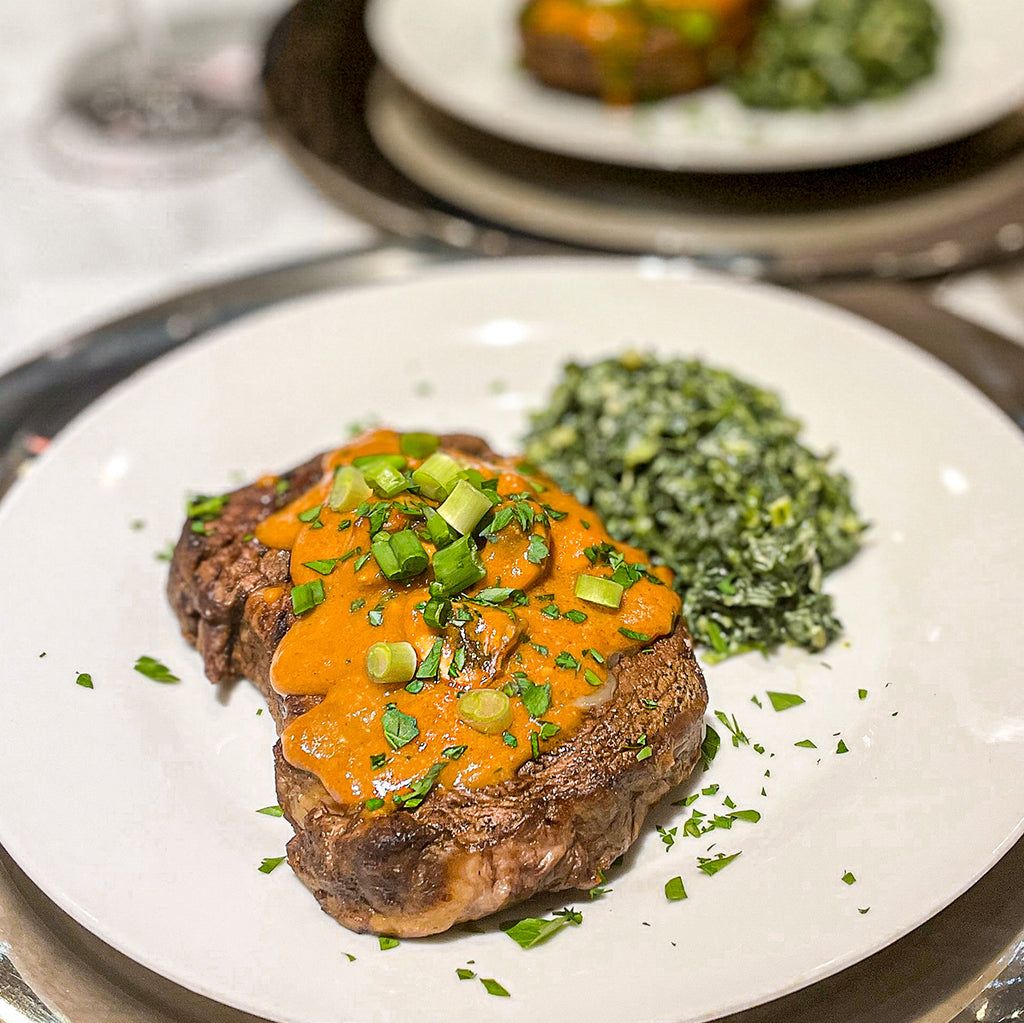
(342, 739)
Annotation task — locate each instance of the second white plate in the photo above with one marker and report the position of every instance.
(463, 56)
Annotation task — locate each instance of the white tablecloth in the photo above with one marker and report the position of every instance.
(73, 254)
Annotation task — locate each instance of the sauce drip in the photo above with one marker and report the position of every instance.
(542, 633)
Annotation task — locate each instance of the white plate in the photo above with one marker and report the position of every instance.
(132, 804)
(462, 56)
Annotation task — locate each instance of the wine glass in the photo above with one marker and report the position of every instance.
(166, 99)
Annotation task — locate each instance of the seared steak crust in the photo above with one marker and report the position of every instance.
(461, 854)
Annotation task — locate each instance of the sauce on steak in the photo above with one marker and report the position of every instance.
(408, 817)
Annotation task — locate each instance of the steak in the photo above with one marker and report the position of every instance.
(635, 53)
(460, 854)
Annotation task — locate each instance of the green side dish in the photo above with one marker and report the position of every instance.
(706, 472)
(837, 53)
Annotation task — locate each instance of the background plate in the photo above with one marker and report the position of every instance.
(143, 827)
(462, 55)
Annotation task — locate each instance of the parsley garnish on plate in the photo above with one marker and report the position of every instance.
(152, 668)
(783, 701)
(674, 890)
(531, 931)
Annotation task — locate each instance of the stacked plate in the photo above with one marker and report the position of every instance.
(431, 126)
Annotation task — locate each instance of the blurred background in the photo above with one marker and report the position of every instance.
(77, 249)
(84, 244)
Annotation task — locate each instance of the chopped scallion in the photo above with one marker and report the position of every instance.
(437, 612)
(348, 490)
(464, 507)
(384, 477)
(437, 476)
(411, 555)
(598, 590)
(391, 663)
(458, 566)
(486, 710)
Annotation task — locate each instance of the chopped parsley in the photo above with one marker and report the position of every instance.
(783, 701)
(537, 549)
(492, 987)
(567, 661)
(270, 863)
(419, 789)
(204, 508)
(674, 890)
(324, 567)
(536, 698)
(271, 811)
(431, 663)
(737, 733)
(306, 596)
(711, 865)
(152, 668)
(84, 680)
(639, 637)
(532, 931)
(709, 747)
(399, 728)
(386, 943)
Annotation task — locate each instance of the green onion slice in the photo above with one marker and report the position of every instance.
(464, 507)
(391, 663)
(385, 478)
(384, 554)
(439, 533)
(487, 710)
(411, 555)
(436, 613)
(349, 489)
(437, 476)
(418, 445)
(458, 566)
(598, 590)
